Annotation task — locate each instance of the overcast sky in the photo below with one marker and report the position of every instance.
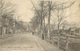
(25, 13)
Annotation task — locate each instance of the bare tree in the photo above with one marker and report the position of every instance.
(60, 12)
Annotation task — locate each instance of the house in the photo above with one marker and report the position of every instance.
(72, 30)
(77, 30)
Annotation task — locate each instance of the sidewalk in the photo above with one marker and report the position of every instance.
(45, 45)
(5, 36)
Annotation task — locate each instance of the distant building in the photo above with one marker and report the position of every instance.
(77, 30)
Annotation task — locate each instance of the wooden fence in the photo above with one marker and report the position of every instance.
(63, 41)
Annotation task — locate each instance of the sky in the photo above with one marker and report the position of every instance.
(25, 12)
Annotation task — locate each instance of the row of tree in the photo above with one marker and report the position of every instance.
(8, 23)
(44, 10)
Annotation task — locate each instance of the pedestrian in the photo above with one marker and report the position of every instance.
(32, 33)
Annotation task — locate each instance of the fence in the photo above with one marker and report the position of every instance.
(63, 41)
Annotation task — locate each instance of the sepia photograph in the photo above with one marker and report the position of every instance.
(39, 25)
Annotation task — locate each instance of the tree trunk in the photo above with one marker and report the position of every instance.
(41, 17)
(49, 19)
(44, 27)
(58, 29)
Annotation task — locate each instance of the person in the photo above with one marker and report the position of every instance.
(43, 36)
(32, 33)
